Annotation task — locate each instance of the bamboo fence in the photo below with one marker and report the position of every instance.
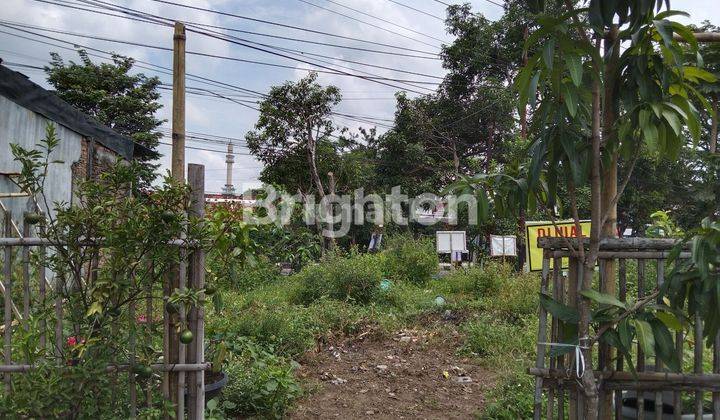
(654, 392)
(192, 364)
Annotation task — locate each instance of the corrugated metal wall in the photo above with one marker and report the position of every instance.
(21, 126)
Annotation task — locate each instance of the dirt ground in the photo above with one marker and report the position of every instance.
(413, 375)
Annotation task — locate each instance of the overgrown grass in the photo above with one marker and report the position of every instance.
(282, 319)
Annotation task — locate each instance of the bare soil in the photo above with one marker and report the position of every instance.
(413, 374)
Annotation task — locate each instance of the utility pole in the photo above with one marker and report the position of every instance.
(172, 379)
(178, 106)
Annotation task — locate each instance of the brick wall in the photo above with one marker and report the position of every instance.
(103, 158)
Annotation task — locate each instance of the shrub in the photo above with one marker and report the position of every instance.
(261, 273)
(353, 279)
(500, 343)
(407, 259)
(259, 382)
(515, 294)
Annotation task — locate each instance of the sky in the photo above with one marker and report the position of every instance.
(381, 21)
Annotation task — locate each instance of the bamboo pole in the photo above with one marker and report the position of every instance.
(196, 351)
(131, 347)
(150, 320)
(698, 365)
(628, 380)
(554, 333)
(542, 335)
(157, 367)
(573, 286)
(7, 349)
(658, 361)
(42, 283)
(716, 370)
(619, 366)
(640, 353)
(26, 276)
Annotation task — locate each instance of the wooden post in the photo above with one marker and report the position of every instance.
(542, 335)
(26, 275)
(8, 300)
(178, 105)
(172, 355)
(42, 283)
(196, 317)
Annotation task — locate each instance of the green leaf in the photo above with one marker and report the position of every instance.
(570, 99)
(574, 65)
(697, 73)
(549, 53)
(672, 118)
(602, 298)
(559, 310)
(686, 34)
(95, 308)
(650, 134)
(664, 346)
(669, 320)
(532, 88)
(665, 30)
(645, 336)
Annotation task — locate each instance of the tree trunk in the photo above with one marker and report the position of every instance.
(312, 162)
(609, 190)
(589, 386)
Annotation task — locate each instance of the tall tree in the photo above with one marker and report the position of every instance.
(109, 93)
(294, 120)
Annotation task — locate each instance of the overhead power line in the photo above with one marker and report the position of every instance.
(264, 48)
(235, 15)
(190, 76)
(417, 10)
(372, 24)
(248, 44)
(95, 9)
(222, 57)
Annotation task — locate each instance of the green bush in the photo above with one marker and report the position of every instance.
(354, 279)
(515, 294)
(259, 382)
(261, 273)
(411, 260)
(500, 343)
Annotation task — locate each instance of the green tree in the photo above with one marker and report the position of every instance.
(294, 121)
(109, 93)
(597, 106)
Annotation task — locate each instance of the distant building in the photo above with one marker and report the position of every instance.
(233, 201)
(85, 148)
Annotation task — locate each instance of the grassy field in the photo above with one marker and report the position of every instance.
(271, 324)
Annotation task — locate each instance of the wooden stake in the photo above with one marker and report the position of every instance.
(8, 300)
(196, 350)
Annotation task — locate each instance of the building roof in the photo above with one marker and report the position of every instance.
(19, 89)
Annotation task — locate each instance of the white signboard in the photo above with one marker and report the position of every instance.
(448, 241)
(503, 246)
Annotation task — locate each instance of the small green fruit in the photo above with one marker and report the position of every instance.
(186, 337)
(34, 218)
(143, 371)
(210, 290)
(172, 308)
